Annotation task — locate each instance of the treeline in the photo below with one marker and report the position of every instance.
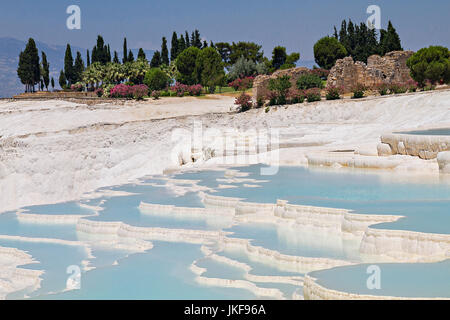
(31, 70)
(357, 41)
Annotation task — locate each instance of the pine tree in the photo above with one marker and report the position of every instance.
(156, 60)
(174, 47)
(45, 73)
(68, 65)
(125, 51)
(116, 58)
(88, 60)
(29, 68)
(78, 68)
(130, 56)
(141, 54)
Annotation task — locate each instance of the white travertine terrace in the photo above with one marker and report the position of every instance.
(423, 146)
(314, 291)
(443, 159)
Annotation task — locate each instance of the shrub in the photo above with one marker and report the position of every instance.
(382, 88)
(259, 102)
(156, 79)
(244, 101)
(272, 97)
(195, 90)
(139, 91)
(313, 94)
(430, 64)
(411, 85)
(429, 86)
(156, 94)
(281, 86)
(295, 96)
(99, 92)
(77, 87)
(180, 89)
(308, 81)
(121, 91)
(327, 50)
(397, 88)
(333, 92)
(358, 91)
(163, 93)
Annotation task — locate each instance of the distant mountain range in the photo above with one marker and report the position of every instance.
(10, 48)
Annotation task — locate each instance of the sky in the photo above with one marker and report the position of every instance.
(295, 24)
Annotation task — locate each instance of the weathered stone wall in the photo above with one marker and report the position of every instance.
(388, 69)
(261, 83)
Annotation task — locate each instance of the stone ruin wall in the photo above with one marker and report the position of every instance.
(346, 73)
(388, 69)
(261, 82)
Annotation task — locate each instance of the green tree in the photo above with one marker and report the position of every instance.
(181, 45)
(116, 57)
(130, 56)
(196, 40)
(45, 70)
(68, 65)
(391, 40)
(242, 68)
(125, 51)
(186, 65)
(53, 83)
(164, 52)
(78, 68)
(62, 80)
(174, 47)
(28, 69)
(224, 49)
(141, 55)
(88, 59)
(291, 60)
(327, 50)
(279, 56)
(209, 68)
(114, 73)
(430, 64)
(248, 50)
(156, 79)
(156, 60)
(136, 71)
(186, 39)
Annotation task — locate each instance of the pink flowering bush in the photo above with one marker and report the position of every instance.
(242, 83)
(195, 90)
(183, 89)
(244, 101)
(121, 91)
(99, 92)
(333, 92)
(76, 87)
(139, 91)
(156, 94)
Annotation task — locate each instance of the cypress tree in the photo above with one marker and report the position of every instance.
(181, 45)
(88, 60)
(174, 47)
(53, 83)
(130, 56)
(62, 80)
(78, 68)
(94, 54)
(186, 39)
(116, 58)
(164, 52)
(197, 40)
(156, 60)
(68, 65)
(205, 44)
(109, 54)
(125, 51)
(29, 69)
(141, 54)
(45, 70)
(390, 40)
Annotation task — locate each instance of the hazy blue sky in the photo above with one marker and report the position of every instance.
(296, 24)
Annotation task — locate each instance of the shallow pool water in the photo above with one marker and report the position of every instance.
(431, 132)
